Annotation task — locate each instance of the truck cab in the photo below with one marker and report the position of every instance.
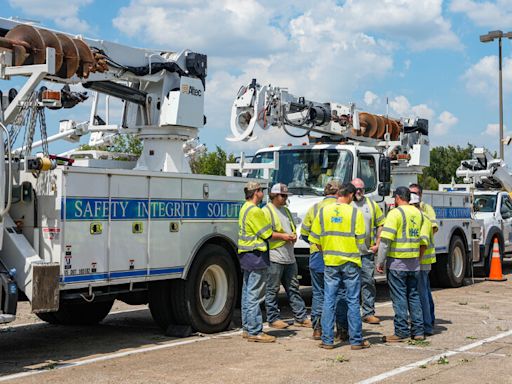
(494, 210)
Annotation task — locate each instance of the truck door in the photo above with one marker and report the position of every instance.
(367, 171)
(506, 222)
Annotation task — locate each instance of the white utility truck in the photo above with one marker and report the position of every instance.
(490, 183)
(344, 143)
(80, 231)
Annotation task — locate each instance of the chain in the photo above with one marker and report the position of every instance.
(31, 129)
(42, 126)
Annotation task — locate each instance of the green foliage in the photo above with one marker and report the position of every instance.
(121, 143)
(211, 163)
(444, 161)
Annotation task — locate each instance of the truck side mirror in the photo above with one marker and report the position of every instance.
(384, 189)
(384, 170)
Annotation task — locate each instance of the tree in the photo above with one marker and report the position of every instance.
(121, 143)
(211, 163)
(444, 161)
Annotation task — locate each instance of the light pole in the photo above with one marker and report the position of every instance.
(491, 36)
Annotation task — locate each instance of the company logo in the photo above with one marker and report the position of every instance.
(190, 90)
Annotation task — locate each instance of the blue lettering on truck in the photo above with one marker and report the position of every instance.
(129, 209)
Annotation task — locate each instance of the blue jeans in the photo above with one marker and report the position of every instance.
(285, 274)
(252, 320)
(368, 290)
(317, 285)
(403, 289)
(427, 303)
(344, 278)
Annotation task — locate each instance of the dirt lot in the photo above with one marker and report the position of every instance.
(472, 344)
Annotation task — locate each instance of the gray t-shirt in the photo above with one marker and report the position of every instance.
(284, 254)
(365, 209)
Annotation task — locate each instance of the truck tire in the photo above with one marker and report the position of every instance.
(206, 300)
(159, 295)
(451, 268)
(82, 313)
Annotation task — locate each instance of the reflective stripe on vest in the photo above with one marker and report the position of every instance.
(406, 246)
(339, 246)
(247, 242)
(277, 226)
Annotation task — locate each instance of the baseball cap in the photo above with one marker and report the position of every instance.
(415, 199)
(280, 189)
(253, 185)
(403, 193)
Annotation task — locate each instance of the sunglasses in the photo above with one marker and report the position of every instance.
(283, 195)
(359, 189)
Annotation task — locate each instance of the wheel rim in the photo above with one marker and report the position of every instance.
(213, 290)
(457, 261)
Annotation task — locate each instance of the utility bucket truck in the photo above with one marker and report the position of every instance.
(345, 143)
(79, 231)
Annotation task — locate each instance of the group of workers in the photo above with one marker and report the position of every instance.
(349, 239)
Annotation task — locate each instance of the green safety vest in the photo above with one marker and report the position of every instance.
(377, 218)
(403, 228)
(305, 229)
(270, 213)
(427, 238)
(338, 229)
(253, 229)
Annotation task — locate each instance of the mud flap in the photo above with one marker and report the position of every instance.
(45, 287)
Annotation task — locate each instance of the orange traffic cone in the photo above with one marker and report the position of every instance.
(496, 273)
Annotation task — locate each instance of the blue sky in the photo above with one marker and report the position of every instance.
(424, 57)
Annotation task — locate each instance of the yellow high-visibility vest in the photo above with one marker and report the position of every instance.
(377, 218)
(403, 228)
(338, 229)
(253, 229)
(305, 229)
(428, 211)
(427, 238)
(270, 213)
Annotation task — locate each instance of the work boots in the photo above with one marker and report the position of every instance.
(372, 319)
(279, 324)
(261, 338)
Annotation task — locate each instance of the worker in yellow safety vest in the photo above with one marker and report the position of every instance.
(339, 231)
(255, 230)
(428, 257)
(400, 242)
(316, 265)
(283, 266)
(374, 220)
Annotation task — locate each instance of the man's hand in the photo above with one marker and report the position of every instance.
(374, 248)
(379, 268)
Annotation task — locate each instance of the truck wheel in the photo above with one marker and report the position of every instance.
(451, 268)
(159, 295)
(82, 313)
(205, 300)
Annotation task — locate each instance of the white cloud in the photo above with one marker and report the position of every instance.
(441, 124)
(400, 105)
(482, 77)
(446, 121)
(492, 15)
(493, 130)
(63, 13)
(370, 98)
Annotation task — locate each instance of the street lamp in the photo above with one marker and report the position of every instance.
(491, 36)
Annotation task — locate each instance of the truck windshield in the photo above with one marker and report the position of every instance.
(306, 171)
(485, 203)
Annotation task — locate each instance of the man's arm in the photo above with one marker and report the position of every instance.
(382, 254)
